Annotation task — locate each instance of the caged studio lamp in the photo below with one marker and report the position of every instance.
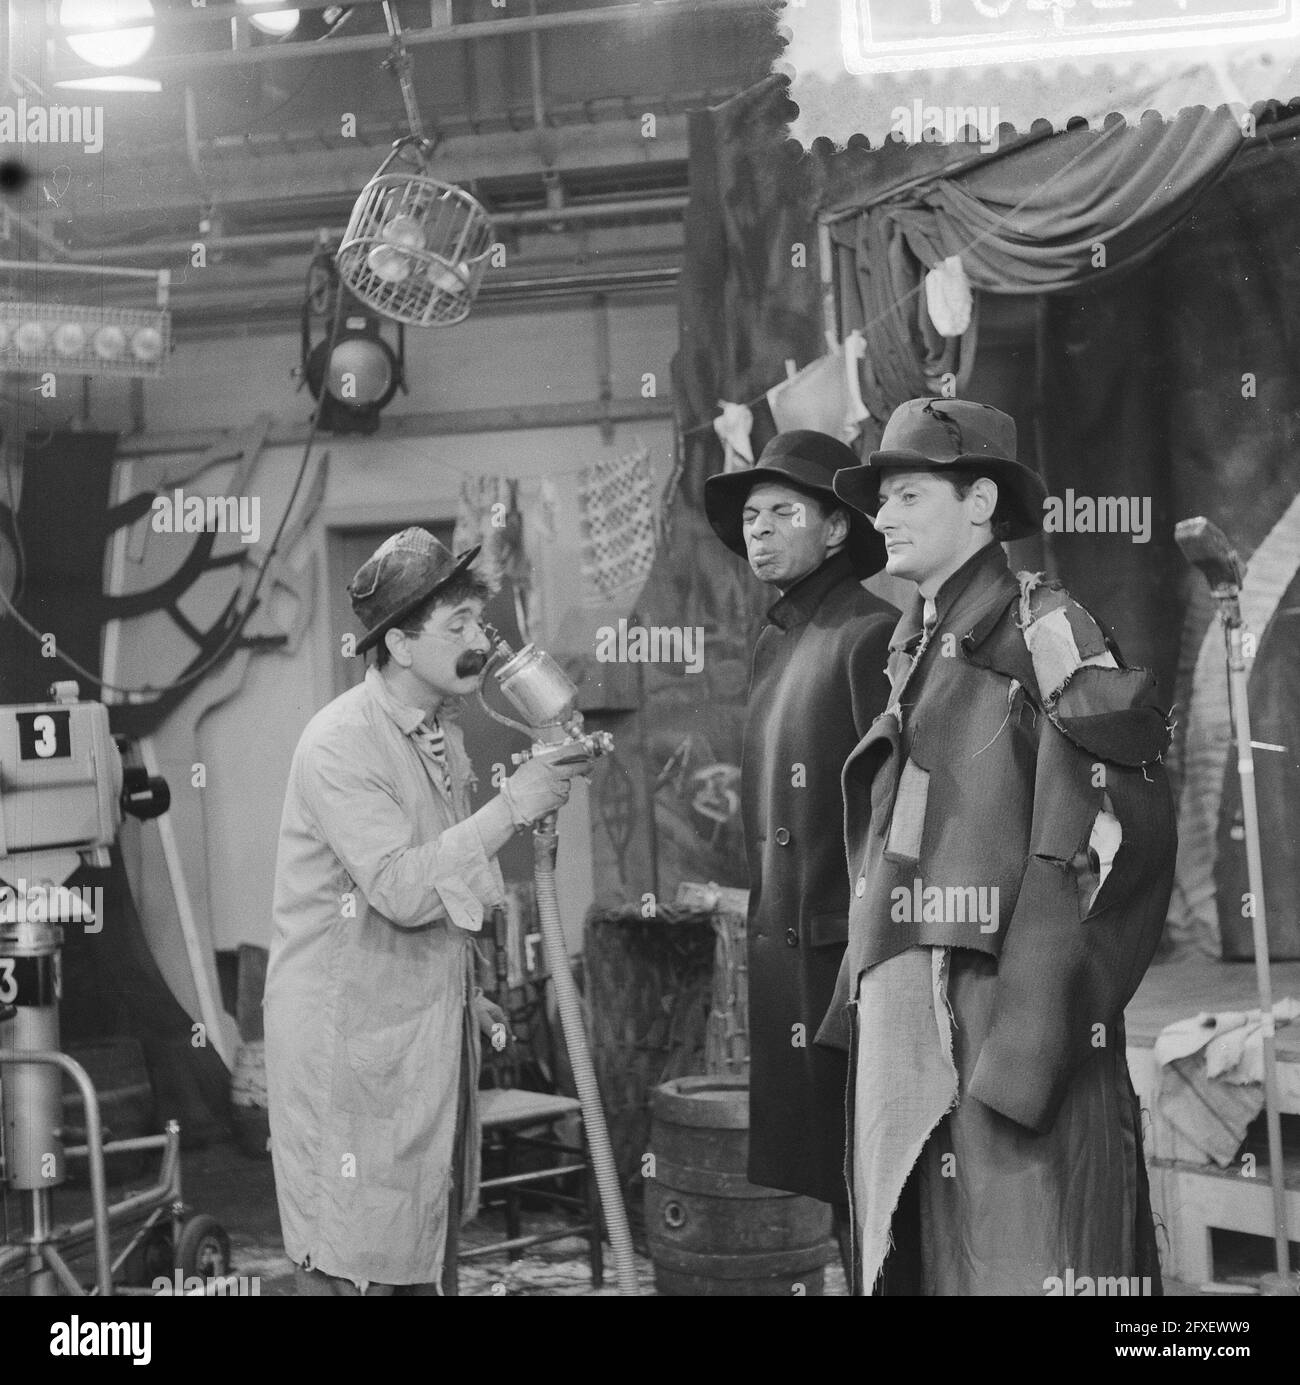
(415, 248)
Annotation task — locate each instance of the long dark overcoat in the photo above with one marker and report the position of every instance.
(1017, 727)
(818, 682)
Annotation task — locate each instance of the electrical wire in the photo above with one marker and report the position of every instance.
(20, 551)
(148, 691)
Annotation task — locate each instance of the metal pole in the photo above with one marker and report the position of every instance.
(304, 239)
(45, 267)
(1259, 931)
(94, 1147)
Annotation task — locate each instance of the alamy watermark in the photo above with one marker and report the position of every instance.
(28, 123)
(41, 902)
(216, 1286)
(179, 513)
(1098, 514)
(1096, 1286)
(95, 1338)
(920, 903)
(922, 124)
(651, 644)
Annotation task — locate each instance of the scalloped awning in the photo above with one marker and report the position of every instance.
(912, 70)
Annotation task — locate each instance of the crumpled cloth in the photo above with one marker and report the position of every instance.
(825, 395)
(948, 297)
(1212, 1075)
(733, 426)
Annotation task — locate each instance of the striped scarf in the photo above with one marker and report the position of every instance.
(433, 743)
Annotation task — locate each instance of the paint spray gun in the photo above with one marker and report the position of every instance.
(543, 695)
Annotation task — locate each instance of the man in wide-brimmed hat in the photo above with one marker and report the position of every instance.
(384, 875)
(818, 682)
(1010, 834)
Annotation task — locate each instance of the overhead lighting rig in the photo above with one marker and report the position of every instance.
(80, 339)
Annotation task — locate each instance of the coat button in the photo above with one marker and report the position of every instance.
(861, 887)
(782, 835)
(792, 937)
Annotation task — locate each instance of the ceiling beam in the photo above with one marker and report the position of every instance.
(462, 159)
(422, 425)
(307, 237)
(634, 14)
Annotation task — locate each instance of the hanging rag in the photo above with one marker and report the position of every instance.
(733, 426)
(618, 524)
(948, 297)
(488, 514)
(819, 397)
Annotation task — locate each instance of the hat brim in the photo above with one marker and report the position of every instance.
(377, 632)
(724, 503)
(1021, 490)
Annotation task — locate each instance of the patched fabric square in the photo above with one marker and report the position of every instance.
(907, 825)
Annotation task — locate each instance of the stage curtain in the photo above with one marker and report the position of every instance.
(1051, 215)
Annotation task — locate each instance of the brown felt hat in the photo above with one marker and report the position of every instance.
(807, 460)
(940, 434)
(401, 574)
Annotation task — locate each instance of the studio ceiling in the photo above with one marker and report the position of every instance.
(255, 146)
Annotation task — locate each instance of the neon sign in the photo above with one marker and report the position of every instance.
(906, 35)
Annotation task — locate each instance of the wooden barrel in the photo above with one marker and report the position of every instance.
(711, 1231)
(248, 1100)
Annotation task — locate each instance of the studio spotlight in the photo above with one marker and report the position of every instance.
(355, 375)
(297, 25)
(127, 41)
(275, 23)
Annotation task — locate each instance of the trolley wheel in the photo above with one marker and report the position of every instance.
(203, 1248)
(151, 1259)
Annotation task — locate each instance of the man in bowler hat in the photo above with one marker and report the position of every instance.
(383, 877)
(817, 684)
(1010, 837)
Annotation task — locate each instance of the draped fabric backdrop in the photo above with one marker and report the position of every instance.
(1167, 372)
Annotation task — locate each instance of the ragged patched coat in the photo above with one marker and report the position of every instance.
(818, 682)
(981, 786)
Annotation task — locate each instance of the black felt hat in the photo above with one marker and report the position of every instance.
(809, 461)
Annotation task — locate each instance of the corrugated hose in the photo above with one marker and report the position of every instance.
(545, 841)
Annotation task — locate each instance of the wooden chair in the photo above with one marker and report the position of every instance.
(515, 1121)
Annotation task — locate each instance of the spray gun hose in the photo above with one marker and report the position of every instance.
(575, 1039)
